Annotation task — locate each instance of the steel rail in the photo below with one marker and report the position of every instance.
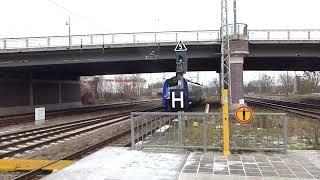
(95, 147)
(91, 128)
(56, 127)
(300, 104)
(57, 132)
(29, 117)
(303, 112)
(52, 127)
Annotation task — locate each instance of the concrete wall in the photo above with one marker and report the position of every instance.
(70, 92)
(14, 93)
(23, 95)
(45, 93)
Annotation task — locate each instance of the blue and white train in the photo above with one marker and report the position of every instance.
(192, 93)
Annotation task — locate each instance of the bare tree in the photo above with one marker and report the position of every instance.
(309, 82)
(263, 85)
(137, 83)
(97, 86)
(214, 87)
(120, 84)
(313, 78)
(92, 88)
(286, 82)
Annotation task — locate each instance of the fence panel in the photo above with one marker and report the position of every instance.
(203, 131)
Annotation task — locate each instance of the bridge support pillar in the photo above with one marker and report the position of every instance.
(239, 49)
(236, 70)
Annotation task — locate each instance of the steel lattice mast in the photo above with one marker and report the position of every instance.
(225, 49)
(225, 75)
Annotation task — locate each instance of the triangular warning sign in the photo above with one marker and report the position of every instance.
(180, 47)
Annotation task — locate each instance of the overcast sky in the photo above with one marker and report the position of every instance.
(48, 17)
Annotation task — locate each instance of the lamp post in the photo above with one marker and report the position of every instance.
(235, 17)
(69, 28)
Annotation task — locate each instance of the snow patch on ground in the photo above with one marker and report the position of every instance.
(123, 163)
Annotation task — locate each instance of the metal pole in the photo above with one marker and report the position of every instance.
(234, 16)
(197, 77)
(69, 31)
(225, 76)
(180, 127)
(133, 138)
(285, 135)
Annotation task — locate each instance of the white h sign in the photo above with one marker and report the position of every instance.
(174, 99)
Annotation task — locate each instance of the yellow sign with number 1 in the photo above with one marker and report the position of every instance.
(244, 114)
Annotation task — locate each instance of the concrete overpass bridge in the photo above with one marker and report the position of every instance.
(45, 71)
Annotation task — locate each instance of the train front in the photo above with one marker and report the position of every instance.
(173, 98)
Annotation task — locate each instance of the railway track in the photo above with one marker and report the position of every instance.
(29, 117)
(281, 102)
(120, 139)
(21, 141)
(293, 107)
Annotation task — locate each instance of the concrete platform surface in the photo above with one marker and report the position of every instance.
(123, 163)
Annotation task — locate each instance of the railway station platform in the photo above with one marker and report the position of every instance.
(124, 163)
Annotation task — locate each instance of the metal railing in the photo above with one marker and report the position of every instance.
(267, 132)
(284, 34)
(109, 39)
(154, 37)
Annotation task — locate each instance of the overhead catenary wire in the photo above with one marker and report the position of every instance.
(73, 14)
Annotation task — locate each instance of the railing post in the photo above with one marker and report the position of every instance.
(133, 138)
(176, 37)
(285, 134)
(48, 42)
(27, 42)
(204, 121)
(155, 37)
(112, 38)
(70, 41)
(91, 39)
(309, 35)
(197, 36)
(268, 35)
(134, 38)
(288, 34)
(180, 127)
(4, 44)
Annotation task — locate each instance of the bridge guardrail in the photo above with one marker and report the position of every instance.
(109, 39)
(152, 37)
(284, 34)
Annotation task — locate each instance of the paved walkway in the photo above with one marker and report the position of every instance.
(297, 164)
(163, 164)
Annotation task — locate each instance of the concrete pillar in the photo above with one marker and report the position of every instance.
(60, 94)
(239, 49)
(236, 70)
(31, 93)
(30, 90)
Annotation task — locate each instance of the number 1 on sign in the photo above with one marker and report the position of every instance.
(244, 114)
